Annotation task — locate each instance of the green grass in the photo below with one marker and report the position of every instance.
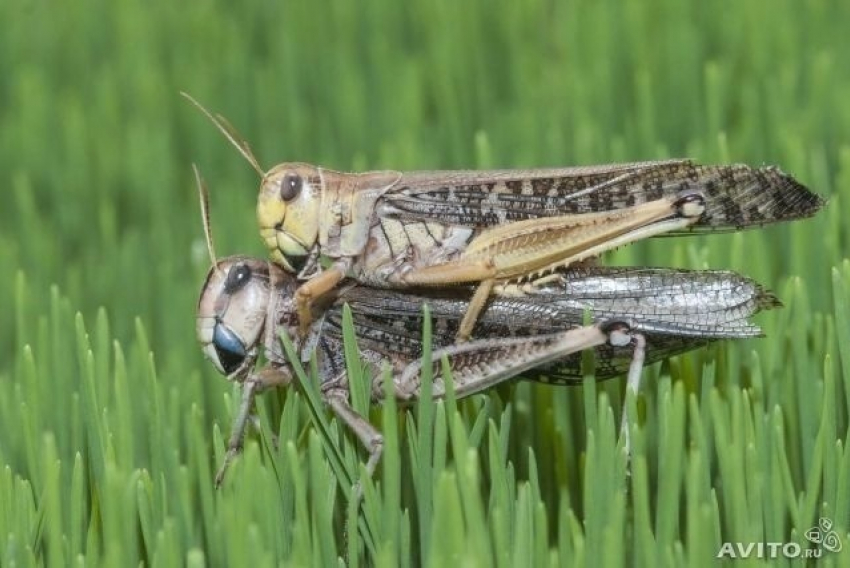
(111, 423)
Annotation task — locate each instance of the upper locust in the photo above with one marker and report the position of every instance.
(494, 227)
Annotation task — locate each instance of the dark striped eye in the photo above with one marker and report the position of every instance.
(231, 353)
(238, 276)
(290, 186)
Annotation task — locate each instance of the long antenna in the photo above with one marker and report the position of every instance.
(230, 133)
(205, 215)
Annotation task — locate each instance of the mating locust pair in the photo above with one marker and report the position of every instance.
(504, 260)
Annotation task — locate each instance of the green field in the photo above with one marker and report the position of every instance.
(112, 423)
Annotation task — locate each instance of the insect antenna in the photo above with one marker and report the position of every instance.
(230, 133)
(204, 196)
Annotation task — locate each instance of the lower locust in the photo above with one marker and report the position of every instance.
(629, 316)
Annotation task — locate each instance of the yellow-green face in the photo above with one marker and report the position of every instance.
(288, 211)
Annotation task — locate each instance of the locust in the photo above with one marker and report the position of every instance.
(246, 304)
(492, 228)
(628, 316)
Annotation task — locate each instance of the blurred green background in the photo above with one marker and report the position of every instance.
(107, 419)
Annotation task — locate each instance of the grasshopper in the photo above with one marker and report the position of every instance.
(246, 303)
(637, 315)
(494, 227)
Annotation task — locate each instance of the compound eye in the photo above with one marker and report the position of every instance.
(290, 186)
(231, 353)
(238, 276)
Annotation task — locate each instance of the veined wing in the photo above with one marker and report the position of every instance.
(737, 195)
(706, 303)
(677, 310)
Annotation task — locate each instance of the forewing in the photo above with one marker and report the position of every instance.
(737, 196)
(677, 310)
(709, 303)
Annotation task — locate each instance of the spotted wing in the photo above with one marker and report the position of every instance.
(737, 196)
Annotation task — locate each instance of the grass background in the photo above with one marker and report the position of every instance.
(111, 423)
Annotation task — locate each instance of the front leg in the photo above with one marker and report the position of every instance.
(315, 288)
(267, 377)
